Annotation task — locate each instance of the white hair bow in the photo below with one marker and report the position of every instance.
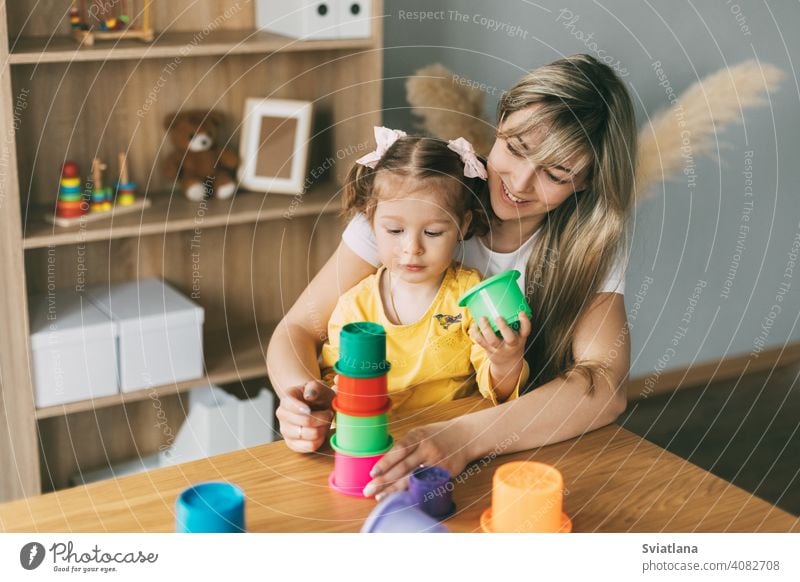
(384, 138)
(473, 168)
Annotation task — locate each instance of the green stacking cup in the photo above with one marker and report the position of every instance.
(497, 296)
(362, 351)
(362, 435)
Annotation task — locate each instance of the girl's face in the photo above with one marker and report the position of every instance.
(519, 189)
(416, 234)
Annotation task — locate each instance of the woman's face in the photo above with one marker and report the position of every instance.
(519, 189)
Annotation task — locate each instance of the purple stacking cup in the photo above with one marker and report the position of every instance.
(399, 514)
(431, 489)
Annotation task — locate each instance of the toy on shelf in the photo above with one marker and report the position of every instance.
(527, 497)
(104, 20)
(101, 195)
(72, 206)
(361, 404)
(126, 190)
(74, 17)
(70, 195)
(200, 167)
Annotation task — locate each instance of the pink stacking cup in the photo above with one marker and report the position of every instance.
(351, 472)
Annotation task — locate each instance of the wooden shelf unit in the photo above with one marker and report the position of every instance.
(173, 213)
(230, 357)
(248, 258)
(37, 50)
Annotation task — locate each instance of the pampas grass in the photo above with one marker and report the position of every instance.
(703, 110)
(449, 109)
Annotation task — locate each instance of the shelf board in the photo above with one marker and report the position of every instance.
(175, 213)
(63, 49)
(231, 357)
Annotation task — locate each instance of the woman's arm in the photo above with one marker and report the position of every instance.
(566, 406)
(559, 410)
(304, 412)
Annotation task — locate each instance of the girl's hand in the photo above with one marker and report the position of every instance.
(305, 416)
(509, 350)
(440, 443)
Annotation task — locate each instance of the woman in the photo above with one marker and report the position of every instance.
(561, 176)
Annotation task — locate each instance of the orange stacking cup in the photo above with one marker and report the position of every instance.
(527, 497)
(362, 395)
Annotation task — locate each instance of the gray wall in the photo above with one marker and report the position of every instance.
(684, 235)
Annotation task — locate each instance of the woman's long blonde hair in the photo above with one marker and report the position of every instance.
(590, 122)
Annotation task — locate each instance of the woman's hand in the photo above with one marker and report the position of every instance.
(305, 416)
(441, 443)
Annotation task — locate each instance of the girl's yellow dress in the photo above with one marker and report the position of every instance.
(433, 360)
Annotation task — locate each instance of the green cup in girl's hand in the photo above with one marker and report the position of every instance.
(497, 296)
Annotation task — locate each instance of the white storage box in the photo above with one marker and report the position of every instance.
(160, 333)
(316, 19)
(218, 423)
(73, 349)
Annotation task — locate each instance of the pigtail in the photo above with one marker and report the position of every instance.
(476, 192)
(357, 194)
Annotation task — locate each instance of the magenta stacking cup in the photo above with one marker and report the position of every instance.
(432, 490)
(351, 471)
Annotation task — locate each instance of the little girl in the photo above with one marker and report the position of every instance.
(421, 197)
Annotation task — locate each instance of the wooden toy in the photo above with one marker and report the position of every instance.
(101, 195)
(70, 202)
(104, 20)
(126, 190)
(74, 207)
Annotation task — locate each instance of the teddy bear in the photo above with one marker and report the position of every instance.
(201, 168)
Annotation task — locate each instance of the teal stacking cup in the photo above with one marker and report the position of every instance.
(362, 351)
(360, 433)
(210, 508)
(497, 296)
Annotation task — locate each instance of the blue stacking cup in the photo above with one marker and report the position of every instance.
(210, 508)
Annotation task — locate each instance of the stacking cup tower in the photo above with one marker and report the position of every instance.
(362, 405)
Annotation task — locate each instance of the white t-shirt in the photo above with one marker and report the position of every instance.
(473, 253)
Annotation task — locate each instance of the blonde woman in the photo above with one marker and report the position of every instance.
(561, 179)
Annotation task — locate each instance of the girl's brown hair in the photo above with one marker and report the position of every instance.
(424, 159)
(590, 120)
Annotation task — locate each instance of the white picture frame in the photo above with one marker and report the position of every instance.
(271, 129)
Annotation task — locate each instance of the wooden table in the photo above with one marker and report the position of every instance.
(617, 482)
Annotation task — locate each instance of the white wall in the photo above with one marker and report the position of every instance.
(684, 235)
